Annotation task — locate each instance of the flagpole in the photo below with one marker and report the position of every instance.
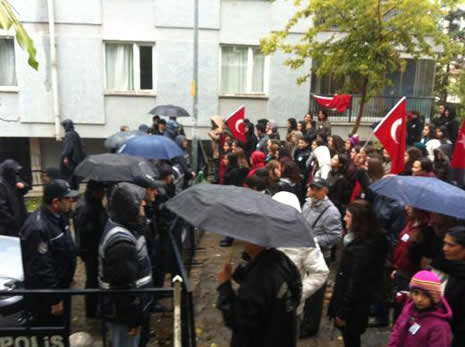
(367, 141)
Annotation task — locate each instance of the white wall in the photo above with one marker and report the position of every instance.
(83, 27)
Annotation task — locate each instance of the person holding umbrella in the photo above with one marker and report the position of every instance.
(263, 311)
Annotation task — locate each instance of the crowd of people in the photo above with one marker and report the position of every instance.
(383, 249)
(120, 233)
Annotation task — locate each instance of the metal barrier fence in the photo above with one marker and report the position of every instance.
(376, 108)
(27, 335)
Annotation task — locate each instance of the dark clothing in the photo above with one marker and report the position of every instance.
(414, 129)
(427, 245)
(73, 150)
(263, 312)
(455, 296)
(124, 263)
(359, 279)
(89, 220)
(13, 211)
(49, 256)
(300, 157)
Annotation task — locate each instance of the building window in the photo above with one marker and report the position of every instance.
(243, 70)
(7, 62)
(128, 66)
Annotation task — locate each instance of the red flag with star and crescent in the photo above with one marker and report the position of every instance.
(391, 132)
(458, 158)
(236, 123)
(338, 103)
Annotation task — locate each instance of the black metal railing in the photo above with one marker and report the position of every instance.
(376, 108)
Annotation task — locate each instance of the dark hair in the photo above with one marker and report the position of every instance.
(250, 128)
(426, 164)
(255, 182)
(302, 123)
(261, 127)
(156, 117)
(293, 123)
(342, 162)
(458, 233)
(320, 141)
(324, 114)
(338, 144)
(233, 161)
(291, 170)
(162, 121)
(445, 132)
(364, 222)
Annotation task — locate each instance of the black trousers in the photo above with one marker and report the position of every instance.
(91, 301)
(351, 338)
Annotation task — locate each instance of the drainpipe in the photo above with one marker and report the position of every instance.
(53, 68)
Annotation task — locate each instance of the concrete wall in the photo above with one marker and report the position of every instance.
(81, 31)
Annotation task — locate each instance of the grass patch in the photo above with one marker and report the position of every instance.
(32, 203)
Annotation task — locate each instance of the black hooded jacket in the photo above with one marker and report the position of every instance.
(122, 262)
(13, 211)
(72, 146)
(455, 295)
(263, 312)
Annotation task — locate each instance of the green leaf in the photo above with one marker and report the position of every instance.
(9, 20)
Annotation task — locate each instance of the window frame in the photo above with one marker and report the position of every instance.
(135, 68)
(249, 74)
(13, 88)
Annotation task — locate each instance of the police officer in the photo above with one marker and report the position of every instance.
(49, 253)
(124, 262)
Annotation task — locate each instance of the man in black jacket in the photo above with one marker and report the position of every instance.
(12, 208)
(263, 311)
(49, 253)
(72, 154)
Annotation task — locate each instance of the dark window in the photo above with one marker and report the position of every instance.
(146, 80)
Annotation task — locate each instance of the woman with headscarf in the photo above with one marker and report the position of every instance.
(258, 161)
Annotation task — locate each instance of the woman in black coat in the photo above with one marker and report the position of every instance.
(360, 274)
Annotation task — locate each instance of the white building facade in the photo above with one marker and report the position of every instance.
(117, 59)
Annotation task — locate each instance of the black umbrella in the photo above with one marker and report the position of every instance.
(110, 167)
(243, 214)
(116, 140)
(169, 111)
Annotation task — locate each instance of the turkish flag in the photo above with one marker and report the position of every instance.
(458, 158)
(236, 123)
(391, 132)
(338, 103)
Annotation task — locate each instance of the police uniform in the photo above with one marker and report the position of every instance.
(49, 255)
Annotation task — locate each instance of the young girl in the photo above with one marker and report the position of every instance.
(424, 321)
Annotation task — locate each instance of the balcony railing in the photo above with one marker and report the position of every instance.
(376, 108)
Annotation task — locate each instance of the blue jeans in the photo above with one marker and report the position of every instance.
(120, 337)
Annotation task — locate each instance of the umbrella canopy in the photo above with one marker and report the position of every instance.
(169, 111)
(243, 214)
(152, 147)
(425, 193)
(116, 140)
(111, 167)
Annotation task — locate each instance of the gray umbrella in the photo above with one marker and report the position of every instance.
(169, 111)
(116, 140)
(243, 214)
